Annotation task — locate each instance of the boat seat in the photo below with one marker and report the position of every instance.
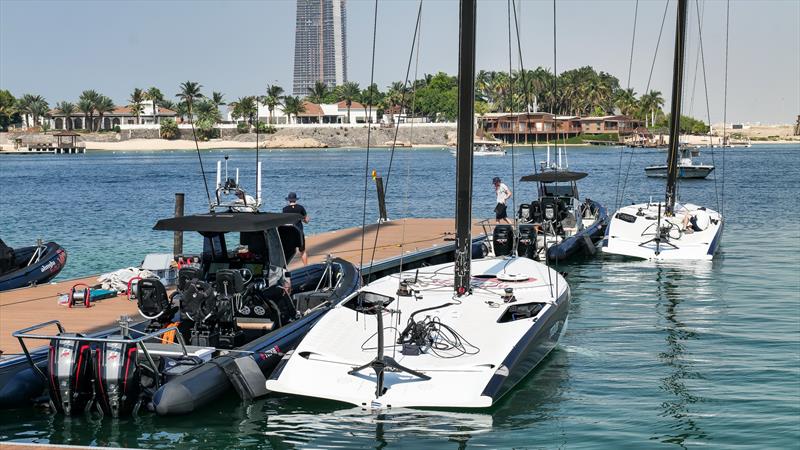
(253, 323)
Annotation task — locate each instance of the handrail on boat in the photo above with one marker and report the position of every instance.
(139, 342)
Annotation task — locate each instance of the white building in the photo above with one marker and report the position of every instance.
(325, 113)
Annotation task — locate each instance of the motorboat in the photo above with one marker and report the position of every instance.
(686, 167)
(486, 148)
(667, 230)
(29, 266)
(557, 223)
(458, 334)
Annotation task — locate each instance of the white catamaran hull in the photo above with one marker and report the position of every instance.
(632, 232)
(498, 353)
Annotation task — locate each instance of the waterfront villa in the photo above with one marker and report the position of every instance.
(532, 126)
(316, 113)
(120, 115)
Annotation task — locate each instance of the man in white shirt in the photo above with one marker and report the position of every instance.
(247, 201)
(503, 194)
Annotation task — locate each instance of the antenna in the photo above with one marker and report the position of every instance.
(258, 182)
(219, 174)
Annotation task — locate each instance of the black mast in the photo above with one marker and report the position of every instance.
(675, 115)
(466, 117)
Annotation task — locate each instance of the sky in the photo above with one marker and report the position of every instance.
(238, 47)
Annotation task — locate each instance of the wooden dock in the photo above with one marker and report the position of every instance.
(24, 307)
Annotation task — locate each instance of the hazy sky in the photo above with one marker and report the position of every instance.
(59, 48)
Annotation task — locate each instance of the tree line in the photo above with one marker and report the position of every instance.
(580, 92)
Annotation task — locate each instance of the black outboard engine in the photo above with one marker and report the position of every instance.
(524, 213)
(554, 211)
(187, 274)
(117, 378)
(527, 241)
(230, 287)
(503, 240)
(536, 212)
(199, 304)
(153, 303)
(70, 373)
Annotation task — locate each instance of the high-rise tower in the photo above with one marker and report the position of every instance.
(320, 44)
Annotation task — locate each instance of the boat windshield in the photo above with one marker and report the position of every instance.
(559, 190)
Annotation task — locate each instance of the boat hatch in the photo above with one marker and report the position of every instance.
(365, 302)
(522, 311)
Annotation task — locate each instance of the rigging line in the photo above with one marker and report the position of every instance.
(397, 127)
(628, 86)
(408, 184)
(524, 81)
(199, 158)
(705, 86)
(516, 135)
(646, 91)
(366, 163)
(725, 103)
(555, 126)
(258, 122)
(696, 64)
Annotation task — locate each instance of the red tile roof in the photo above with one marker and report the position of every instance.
(354, 105)
(311, 109)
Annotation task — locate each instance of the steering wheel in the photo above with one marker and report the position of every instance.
(247, 274)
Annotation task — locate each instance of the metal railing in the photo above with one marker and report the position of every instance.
(138, 341)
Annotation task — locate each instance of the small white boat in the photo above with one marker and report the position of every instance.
(486, 148)
(686, 168)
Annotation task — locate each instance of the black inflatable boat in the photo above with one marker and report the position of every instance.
(28, 266)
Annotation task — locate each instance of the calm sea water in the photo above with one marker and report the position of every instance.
(656, 356)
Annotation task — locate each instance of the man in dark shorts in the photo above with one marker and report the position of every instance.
(503, 194)
(295, 208)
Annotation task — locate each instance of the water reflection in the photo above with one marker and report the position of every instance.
(679, 289)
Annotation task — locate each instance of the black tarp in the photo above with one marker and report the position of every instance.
(227, 222)
(554, 176)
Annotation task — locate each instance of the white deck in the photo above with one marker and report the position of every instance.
(343, 339)
(628, 239)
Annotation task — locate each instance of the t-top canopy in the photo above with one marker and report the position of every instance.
(552, 176)
(227, 222)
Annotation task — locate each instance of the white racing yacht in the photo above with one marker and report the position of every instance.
(667, 230)
(455, 335)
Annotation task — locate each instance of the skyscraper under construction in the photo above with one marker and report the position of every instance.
(320, 44)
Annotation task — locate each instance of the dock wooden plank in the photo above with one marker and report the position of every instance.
(21, 308)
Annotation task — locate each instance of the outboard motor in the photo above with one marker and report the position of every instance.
(70, 373)
(536, 211)
(527, 241)
(199, 304)
(554, 211)
(524, 213)
(503, 240)
(117, 378)
(230, 287)
(153, 303)
(187, 274)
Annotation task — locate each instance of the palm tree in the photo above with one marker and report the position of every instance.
(654, 101)
(293, 105)
(39, 109)
(318, 92)
(349, 92)
(104, 105)
(189, 91)
(137, 109)
(273, 98)
(92, 97)
(206, 110)
(137, 97)
(167, 104)
(154, 95)
(626, 102)
(86, 107)
(67, 109)
(244, 107)
(31, 105)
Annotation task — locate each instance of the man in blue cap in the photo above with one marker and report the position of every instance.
(295, 208)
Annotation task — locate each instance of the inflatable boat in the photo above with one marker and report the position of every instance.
(28, 266)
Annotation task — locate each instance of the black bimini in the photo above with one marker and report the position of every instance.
(226, 222)
(554, 176)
